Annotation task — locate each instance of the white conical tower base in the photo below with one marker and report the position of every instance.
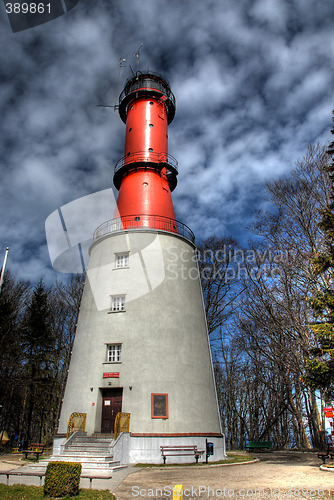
(164, 375)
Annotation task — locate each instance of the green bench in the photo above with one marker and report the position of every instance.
(259, 445)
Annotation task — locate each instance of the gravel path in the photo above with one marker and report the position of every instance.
(276, 475)
(286, 475)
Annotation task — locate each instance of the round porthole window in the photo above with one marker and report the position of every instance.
(137, 219)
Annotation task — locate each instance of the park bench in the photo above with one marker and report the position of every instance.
(27, 473)
(326, 454)
(177, 451)
(34, 449)
(13, 472)
(259, 445)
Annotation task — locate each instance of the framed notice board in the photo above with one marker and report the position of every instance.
(159, 405)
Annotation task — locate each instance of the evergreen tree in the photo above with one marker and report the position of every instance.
(37, 344)
(320, 364)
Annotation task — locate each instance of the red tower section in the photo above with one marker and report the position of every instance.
(146, 174)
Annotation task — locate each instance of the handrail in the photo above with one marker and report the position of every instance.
(163, 159)
(150, 82)
(144, 222)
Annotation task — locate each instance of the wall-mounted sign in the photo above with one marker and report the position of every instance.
(111, 375)
(159, 405)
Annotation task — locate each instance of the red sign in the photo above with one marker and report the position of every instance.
(330, 408)
(111, 375)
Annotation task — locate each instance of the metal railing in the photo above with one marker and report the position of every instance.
(147, 82)
(163, 159)
(147, 222)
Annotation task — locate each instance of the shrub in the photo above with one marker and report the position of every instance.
(62, 478)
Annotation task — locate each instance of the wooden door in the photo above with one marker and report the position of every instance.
(111, 405)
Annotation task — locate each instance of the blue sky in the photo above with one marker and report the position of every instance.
(253, 82)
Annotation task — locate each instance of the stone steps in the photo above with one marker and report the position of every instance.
(88, 449)
(92, 452)
(88, 453)
(80, 458)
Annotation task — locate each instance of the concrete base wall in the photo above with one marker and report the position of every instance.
(146, 449)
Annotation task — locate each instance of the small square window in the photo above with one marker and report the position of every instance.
(122, 260)
(114, 352)
(159, 405)
(118, 303)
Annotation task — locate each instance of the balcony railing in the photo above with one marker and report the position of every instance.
(146, 159)
(147, 222)
(147, 82)
(163, 159)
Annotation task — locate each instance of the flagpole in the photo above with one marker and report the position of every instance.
(3, 268)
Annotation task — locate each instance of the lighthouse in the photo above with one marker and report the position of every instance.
(141, 349)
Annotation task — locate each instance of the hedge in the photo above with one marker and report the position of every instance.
(62, 478)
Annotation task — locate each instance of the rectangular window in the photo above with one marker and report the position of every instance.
(122, 260)
(159, 405)
(114, 352)
(118, 303)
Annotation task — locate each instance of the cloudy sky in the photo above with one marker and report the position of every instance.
(254, 86)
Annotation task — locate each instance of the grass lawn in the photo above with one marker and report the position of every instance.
(21, 492)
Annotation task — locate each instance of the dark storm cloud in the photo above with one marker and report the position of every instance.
(253, 82)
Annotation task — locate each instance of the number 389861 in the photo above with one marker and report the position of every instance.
(25, 8)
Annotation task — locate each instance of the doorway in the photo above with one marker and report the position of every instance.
(111, 405)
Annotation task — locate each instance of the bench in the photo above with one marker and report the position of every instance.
(91, 477)
(326, 454)
(177, 451)
(34, 449)
(28, 473)
(259, 445)
(13, 472)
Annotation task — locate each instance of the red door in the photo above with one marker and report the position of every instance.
(111, 405)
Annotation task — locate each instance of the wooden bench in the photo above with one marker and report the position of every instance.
(91, 477)
(259, 445)
(28, 473)
(13, 472)
(34, 449)
(326, 454)
(177, 451)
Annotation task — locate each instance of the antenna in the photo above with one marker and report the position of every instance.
(121, 61)
(115, 106)
(137, 55)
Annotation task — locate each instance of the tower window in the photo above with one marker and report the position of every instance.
(151, 125)
(151, 102)
(114, 353)
(122, 260)
(118, 303)
(150, 150)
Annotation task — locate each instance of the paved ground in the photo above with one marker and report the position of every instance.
(277, 475)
